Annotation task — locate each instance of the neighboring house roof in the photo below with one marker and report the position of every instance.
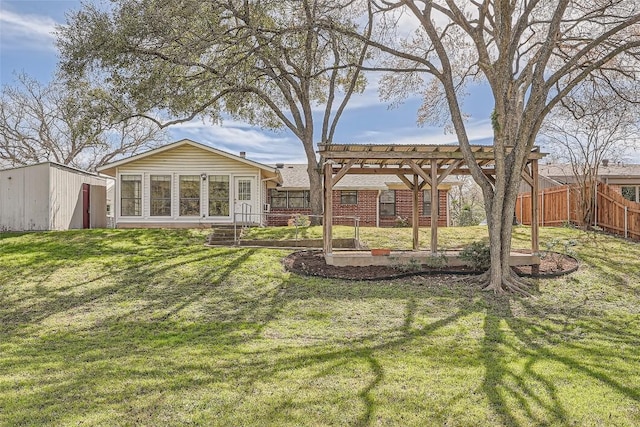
(110, 169)
(57, 165)
(295, 177)
(564, 172)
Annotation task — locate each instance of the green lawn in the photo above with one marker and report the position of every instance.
(114, 327)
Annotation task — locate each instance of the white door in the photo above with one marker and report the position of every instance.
(245, 199)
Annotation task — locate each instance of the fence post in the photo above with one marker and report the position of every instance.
(595, 204)
(542, 208)
(626, 222)
(521, 209)
(568, 206)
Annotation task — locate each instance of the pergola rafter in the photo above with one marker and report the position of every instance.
(417, 166)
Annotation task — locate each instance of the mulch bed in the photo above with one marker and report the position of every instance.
(312, 263)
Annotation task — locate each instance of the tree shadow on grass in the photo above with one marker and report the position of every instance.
(152, 359)
(52, 301)
(523, 394)
(505, 385)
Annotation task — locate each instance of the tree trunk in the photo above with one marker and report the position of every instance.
(316, 193)
(501, 277)
(314, 171)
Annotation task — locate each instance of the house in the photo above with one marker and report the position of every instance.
(51, 196)
(378, 200)
(625, 178)
(188, 184)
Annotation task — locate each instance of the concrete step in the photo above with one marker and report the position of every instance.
(222, 235)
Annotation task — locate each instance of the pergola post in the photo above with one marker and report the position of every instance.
(415, 216)
(435, 209)
(327, 218)
(534, 212)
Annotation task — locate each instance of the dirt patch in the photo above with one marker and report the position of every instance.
(312, 263)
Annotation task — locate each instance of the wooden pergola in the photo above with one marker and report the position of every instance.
(418, 166)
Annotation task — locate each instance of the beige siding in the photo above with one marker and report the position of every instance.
(187, 159)
(24, 198)
(184, 160)
(66, 198)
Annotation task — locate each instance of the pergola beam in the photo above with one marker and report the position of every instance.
(416, 169)
(406, 181)
(342, 172)
(413, 155)
(410, 171)
(446, 172)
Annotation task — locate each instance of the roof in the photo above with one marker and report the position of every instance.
(57, 165)
(559, 171)
(295, 177)
(109, 168)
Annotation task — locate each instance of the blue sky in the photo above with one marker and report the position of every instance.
(28, 45)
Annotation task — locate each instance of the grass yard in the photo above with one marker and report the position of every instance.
(133, 327)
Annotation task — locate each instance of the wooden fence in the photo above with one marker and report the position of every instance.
(561, 205)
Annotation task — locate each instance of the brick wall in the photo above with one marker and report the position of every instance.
(404, 209)
(366, 209)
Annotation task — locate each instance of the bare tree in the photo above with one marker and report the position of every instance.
(266, 62)
(531, 53)
(466, 202)
(66, 123)
(593, 124)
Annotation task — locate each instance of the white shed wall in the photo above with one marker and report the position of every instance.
(48, 196)
(65, 192)
(24, 198)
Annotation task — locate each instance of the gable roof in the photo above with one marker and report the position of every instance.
(110, 168)
(295, 177)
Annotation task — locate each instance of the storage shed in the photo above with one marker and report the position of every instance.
(51, 196)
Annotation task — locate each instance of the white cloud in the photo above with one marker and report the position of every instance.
(233, 137)
(19, 30)
(478, 132)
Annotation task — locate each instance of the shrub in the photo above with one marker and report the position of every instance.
(477, 254)
(299, 220)
(401, 221)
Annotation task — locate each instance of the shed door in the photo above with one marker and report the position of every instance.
(86, 197)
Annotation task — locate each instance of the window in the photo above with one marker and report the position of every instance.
(290, 199)
(388, 203)
(278, 199)
(190, 195)
(630, 193)
(426, 203)
(244, 189)
(131, 195)
(160, 195)
(298, 199)
(348, 197)
(218, 195)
